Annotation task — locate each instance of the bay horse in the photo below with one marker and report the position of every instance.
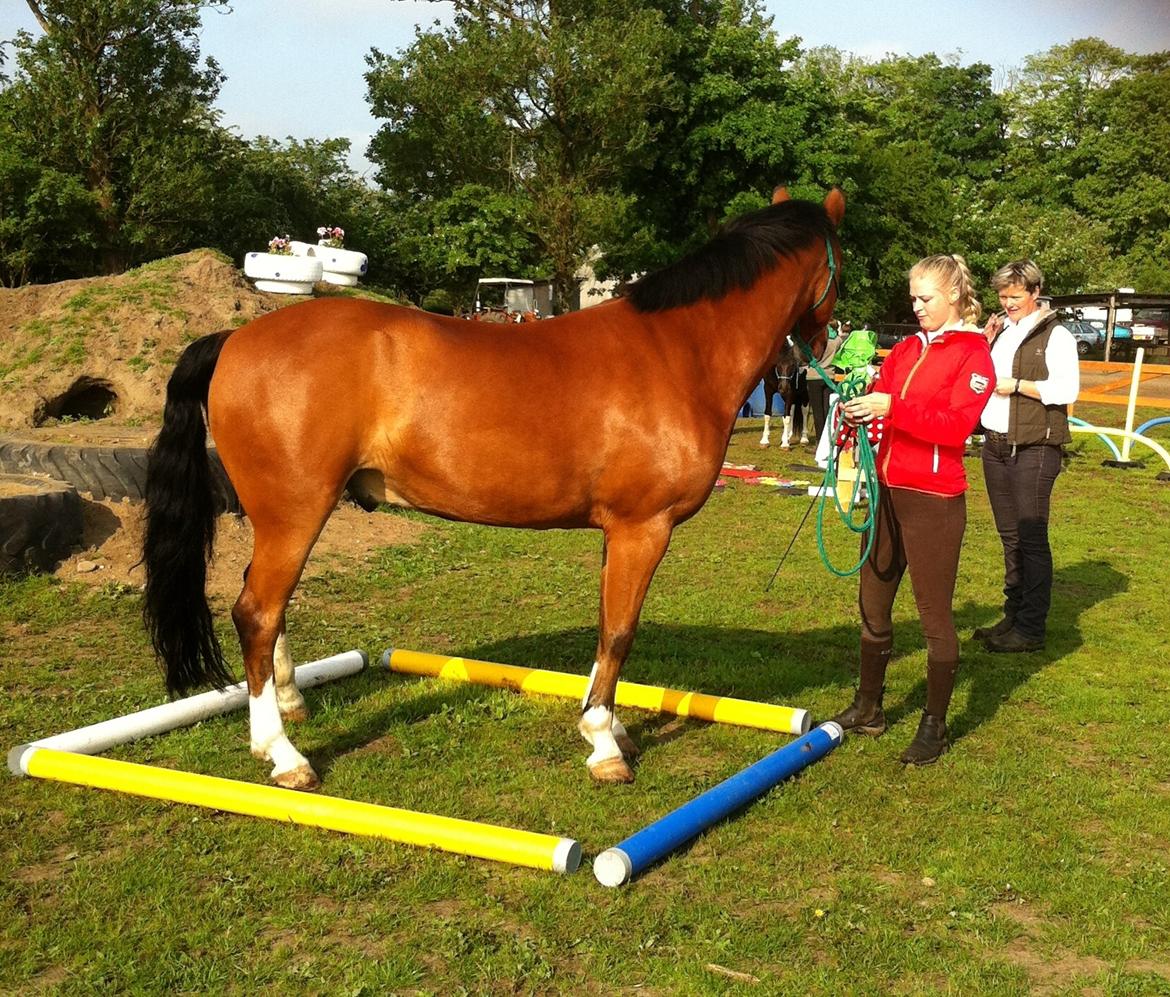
(788, 378)
(339, 393)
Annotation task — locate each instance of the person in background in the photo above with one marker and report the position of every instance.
(1025, 427)
(818, 390)
(930, 393)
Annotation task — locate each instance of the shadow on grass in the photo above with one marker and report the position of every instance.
(756, 665)
(992, 677)
(759, 665)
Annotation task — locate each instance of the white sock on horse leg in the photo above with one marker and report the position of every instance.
(596, 726)
(767, 430)
(786, 436)
(268, 737)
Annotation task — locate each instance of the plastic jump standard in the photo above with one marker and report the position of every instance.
(719, 709)
(617, 865)
(487, 841)
(71, 757)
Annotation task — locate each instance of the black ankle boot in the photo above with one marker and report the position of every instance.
(864, 716)
(929, 743)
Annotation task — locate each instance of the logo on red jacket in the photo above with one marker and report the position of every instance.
(979, 383)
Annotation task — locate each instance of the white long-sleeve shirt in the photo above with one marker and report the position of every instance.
(1063, 383)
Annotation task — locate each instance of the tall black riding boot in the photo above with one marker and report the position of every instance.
(864, 715)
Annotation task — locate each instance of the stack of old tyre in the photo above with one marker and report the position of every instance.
(338, 266)
(40, 495)
(278, 273)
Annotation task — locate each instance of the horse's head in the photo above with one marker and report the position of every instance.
(812, 325)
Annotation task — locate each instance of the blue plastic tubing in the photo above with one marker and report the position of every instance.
(1108, 442)
(627, 859)
(1161, 420)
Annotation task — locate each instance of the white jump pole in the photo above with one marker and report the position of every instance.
(96, 738)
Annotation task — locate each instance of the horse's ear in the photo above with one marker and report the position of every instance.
(835, 206)
(780, 194)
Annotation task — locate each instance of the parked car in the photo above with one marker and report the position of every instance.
(1087, 336)
(1090, 334)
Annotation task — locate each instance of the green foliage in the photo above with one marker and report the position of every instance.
(549, 104)
(112, 99)
(525, 139)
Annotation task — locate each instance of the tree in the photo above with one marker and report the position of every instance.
(1089, 130)
(113, 96)
(546, 103)
(912, 141)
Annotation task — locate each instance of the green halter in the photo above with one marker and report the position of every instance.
(866, 461)
(832, 274)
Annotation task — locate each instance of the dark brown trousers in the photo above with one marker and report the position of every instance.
(922, 533)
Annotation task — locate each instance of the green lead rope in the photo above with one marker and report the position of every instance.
(853, 385)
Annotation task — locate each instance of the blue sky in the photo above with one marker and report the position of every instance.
(294, 67)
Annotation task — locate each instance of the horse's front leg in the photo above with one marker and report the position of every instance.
(769, 396)
(632, 553)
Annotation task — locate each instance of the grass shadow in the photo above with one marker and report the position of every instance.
(760, 665)
(993, 678)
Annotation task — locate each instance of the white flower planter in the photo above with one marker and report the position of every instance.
(339, 266)
(283, 274)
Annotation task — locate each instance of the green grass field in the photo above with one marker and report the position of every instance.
(1033, 858)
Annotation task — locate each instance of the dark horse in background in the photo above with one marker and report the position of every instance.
(788, 378)
(335, 394)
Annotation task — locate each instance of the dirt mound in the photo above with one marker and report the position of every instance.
(105, 346)
(112, 545)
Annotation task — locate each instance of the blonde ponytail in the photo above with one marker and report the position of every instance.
(950, 271)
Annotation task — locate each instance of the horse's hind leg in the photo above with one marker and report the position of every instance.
(632, 553)
(803, 410)
(280, 553)
(288, 696)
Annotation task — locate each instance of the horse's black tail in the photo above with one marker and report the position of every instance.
(180, 528)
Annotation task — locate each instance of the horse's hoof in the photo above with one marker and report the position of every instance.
(629, 749)
(297, 715)
(785, 446)
(764, 446)
(302, 777)
(611, 770)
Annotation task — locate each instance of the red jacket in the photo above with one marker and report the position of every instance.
(938, 392)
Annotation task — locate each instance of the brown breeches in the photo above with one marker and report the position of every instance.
(922, 533)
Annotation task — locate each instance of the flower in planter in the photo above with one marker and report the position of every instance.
(280, 246)
(332, 237)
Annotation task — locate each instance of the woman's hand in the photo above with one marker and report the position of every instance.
(865, 408)
(994, 324)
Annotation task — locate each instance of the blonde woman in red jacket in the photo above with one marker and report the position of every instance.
(930, 393)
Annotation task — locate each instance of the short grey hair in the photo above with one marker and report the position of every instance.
(1023, 272)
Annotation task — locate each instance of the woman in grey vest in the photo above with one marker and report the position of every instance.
(1025, 425)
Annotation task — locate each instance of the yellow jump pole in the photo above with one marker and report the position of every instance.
(719, 709)
(464, 837)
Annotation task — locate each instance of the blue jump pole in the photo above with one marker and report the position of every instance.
(627, 859)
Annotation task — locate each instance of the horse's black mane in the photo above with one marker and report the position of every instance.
(744, 249)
